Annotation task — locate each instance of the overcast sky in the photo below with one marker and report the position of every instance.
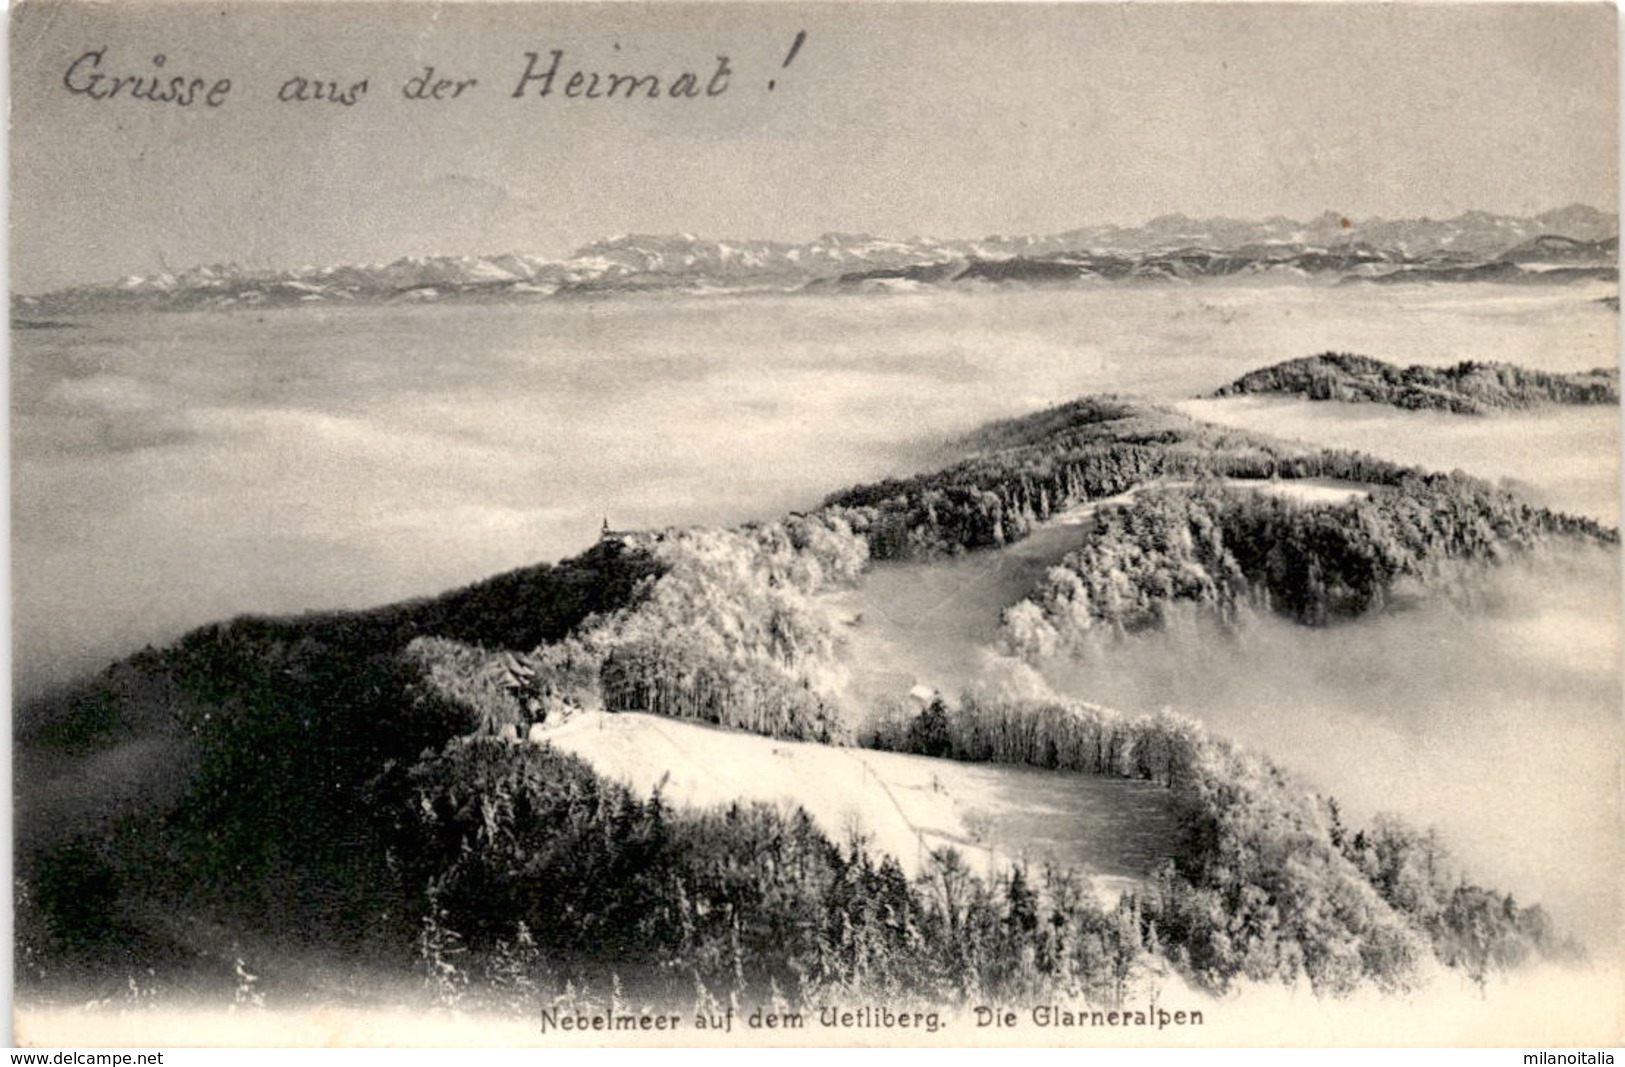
(950, 120)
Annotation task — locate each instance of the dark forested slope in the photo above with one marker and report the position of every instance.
(1467, 388)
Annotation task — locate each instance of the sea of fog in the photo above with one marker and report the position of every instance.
(172, 469)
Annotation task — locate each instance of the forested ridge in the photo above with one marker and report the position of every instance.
(1471, 387)
(1022, 471)
(355, 780)
(1316, 562)
(1226, 551)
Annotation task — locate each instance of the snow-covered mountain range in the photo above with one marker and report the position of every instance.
(1575, 242)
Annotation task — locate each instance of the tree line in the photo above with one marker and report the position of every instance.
(1266, 883)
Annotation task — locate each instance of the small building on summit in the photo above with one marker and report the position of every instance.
(606, 534)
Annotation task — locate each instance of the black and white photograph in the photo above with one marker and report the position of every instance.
(912, 524)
